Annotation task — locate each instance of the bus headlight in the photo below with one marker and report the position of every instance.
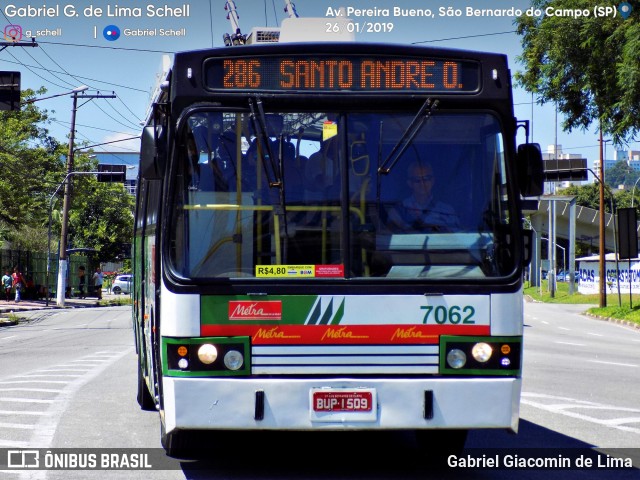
(233, 360)
(482, 352)
(207, 354)
(456, 358)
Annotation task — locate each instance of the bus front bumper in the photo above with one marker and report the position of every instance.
(288, 404)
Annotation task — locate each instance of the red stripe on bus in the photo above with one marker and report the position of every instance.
(342, 334)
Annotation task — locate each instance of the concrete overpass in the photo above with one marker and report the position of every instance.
(573, 223)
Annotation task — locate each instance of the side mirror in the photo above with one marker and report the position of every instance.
(152, 154)
(527, 255)
(530, 170)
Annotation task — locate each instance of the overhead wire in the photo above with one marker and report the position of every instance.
(130, 124)
(81, 77)
(108, 103)
(36, 74)
(48, 70)
(95, 128)
(125, 118)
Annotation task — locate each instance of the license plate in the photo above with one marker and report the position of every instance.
(343, 405)
(348, 401)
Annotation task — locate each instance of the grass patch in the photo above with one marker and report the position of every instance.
(120, 300)
(12, 317)
(617, 307)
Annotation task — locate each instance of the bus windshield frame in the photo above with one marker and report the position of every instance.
(309, 203)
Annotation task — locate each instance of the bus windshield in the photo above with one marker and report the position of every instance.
(301, 195)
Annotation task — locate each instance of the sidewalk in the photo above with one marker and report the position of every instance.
(30, 305)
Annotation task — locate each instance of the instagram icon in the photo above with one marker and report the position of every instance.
(13, 33)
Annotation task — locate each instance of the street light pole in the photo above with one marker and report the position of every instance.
(633, 193)
(602, 269)
(51, 198)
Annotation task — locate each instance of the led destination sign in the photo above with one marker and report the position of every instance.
(335, 73)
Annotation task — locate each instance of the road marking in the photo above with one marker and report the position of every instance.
(595, 334)
(564, 328)
(83, 370)
(40, 390)
(19, 426)
(18, 412)
(620, 421)
(7, 338)
(24, 400)
(47, 424)
(536, 400)
(13, 444)
(44, 424)
(613, 363)
(574, 344)
(32, 381)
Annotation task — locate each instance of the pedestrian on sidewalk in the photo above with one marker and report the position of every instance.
(18, 282)
(7, 283)
(97, 281)
(82, 279)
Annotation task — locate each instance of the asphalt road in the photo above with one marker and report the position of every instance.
(68, 379)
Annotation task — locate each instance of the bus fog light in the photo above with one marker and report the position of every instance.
(233, 360)
(456, 358)
(207, 354)
(183, 363)
(481, 352)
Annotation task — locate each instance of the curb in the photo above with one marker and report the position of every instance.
(619, 321)
(14, 310)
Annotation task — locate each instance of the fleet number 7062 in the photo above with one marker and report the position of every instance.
(449, 315)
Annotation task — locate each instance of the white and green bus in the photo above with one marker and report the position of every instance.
(274, 288)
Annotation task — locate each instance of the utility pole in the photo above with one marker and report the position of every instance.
(17, 43)
(63, 264)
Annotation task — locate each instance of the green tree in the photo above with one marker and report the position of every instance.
(102, 217)
(589, 196)
(620, 174)
(587, 66)
(31, 162)
(33, 166)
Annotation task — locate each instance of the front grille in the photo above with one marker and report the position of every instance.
(344, 359)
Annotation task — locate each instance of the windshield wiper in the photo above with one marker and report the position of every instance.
(407, 137)
(275, 180)
(259, 122)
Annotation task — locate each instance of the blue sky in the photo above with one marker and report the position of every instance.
(73, 51)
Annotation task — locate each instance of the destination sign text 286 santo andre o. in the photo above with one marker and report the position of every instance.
(334, 73)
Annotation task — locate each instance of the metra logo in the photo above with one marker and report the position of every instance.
(247, 310)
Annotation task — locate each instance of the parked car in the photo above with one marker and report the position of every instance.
(122, 284)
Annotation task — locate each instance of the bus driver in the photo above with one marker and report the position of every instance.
(420, 212)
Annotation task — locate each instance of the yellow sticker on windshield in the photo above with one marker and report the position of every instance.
(299, 271)
(329, 129)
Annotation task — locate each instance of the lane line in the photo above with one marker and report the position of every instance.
(613, 363)
(24, 400)
(19, 426)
